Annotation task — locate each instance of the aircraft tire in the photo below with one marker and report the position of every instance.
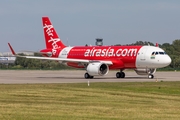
(150, 76)
(91, 77)
(86, 76)
(122, 75)
(118, 75)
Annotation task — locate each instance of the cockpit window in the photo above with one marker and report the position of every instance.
(158, 53)
(153, 53)
(161, 53)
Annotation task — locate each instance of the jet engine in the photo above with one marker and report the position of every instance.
(97, 68)
(145, 71)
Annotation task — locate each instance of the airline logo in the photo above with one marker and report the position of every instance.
(110, 52)
(52, 40)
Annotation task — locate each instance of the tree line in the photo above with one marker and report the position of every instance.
(173, 50)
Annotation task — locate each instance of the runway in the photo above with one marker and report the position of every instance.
(76, 76)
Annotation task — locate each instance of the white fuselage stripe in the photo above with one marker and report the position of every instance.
(64, 52)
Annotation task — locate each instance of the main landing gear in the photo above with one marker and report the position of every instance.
(87, 76)
(120, 75)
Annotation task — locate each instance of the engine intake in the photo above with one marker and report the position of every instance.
(145, 71)
(97, 68)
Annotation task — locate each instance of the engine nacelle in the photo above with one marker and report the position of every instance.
(145, 71)
(97, 68)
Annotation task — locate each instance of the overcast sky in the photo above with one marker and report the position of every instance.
(79, 22)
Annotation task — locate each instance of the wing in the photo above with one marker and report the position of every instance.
(41, 53)
(69, 60)
(61, 59)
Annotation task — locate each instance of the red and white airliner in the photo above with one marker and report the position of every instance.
(98, 60)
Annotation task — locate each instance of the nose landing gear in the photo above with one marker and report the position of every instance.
(150, 76)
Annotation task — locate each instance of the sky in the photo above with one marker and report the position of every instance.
(80, 22)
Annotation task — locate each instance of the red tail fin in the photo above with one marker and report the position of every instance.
(51, 37)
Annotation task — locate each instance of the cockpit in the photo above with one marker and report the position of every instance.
(152, 57)
(158, 53)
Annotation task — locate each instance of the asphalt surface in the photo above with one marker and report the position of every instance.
(76, 76)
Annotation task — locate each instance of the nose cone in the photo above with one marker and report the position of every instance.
(162, 61)
(167, 60)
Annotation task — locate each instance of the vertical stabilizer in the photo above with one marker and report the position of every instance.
(51, 38)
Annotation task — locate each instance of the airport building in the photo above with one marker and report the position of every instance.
(99, 42)
(6, 58)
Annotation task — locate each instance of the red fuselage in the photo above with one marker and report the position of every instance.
(122, 57)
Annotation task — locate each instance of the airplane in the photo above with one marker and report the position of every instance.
(98, 60)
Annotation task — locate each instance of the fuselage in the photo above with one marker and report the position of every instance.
(122, 57)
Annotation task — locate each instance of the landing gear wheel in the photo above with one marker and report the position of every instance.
(87, 76)
(120, 75)
(150, 76)
(91, 77)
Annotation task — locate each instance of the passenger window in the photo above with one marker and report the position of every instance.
(156, 53)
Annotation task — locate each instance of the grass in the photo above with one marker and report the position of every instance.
(99, 101)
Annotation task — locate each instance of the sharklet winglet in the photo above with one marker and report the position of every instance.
(13, 52)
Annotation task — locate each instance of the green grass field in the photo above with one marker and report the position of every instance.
(99, 101)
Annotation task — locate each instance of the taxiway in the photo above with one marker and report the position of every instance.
(76, 76)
